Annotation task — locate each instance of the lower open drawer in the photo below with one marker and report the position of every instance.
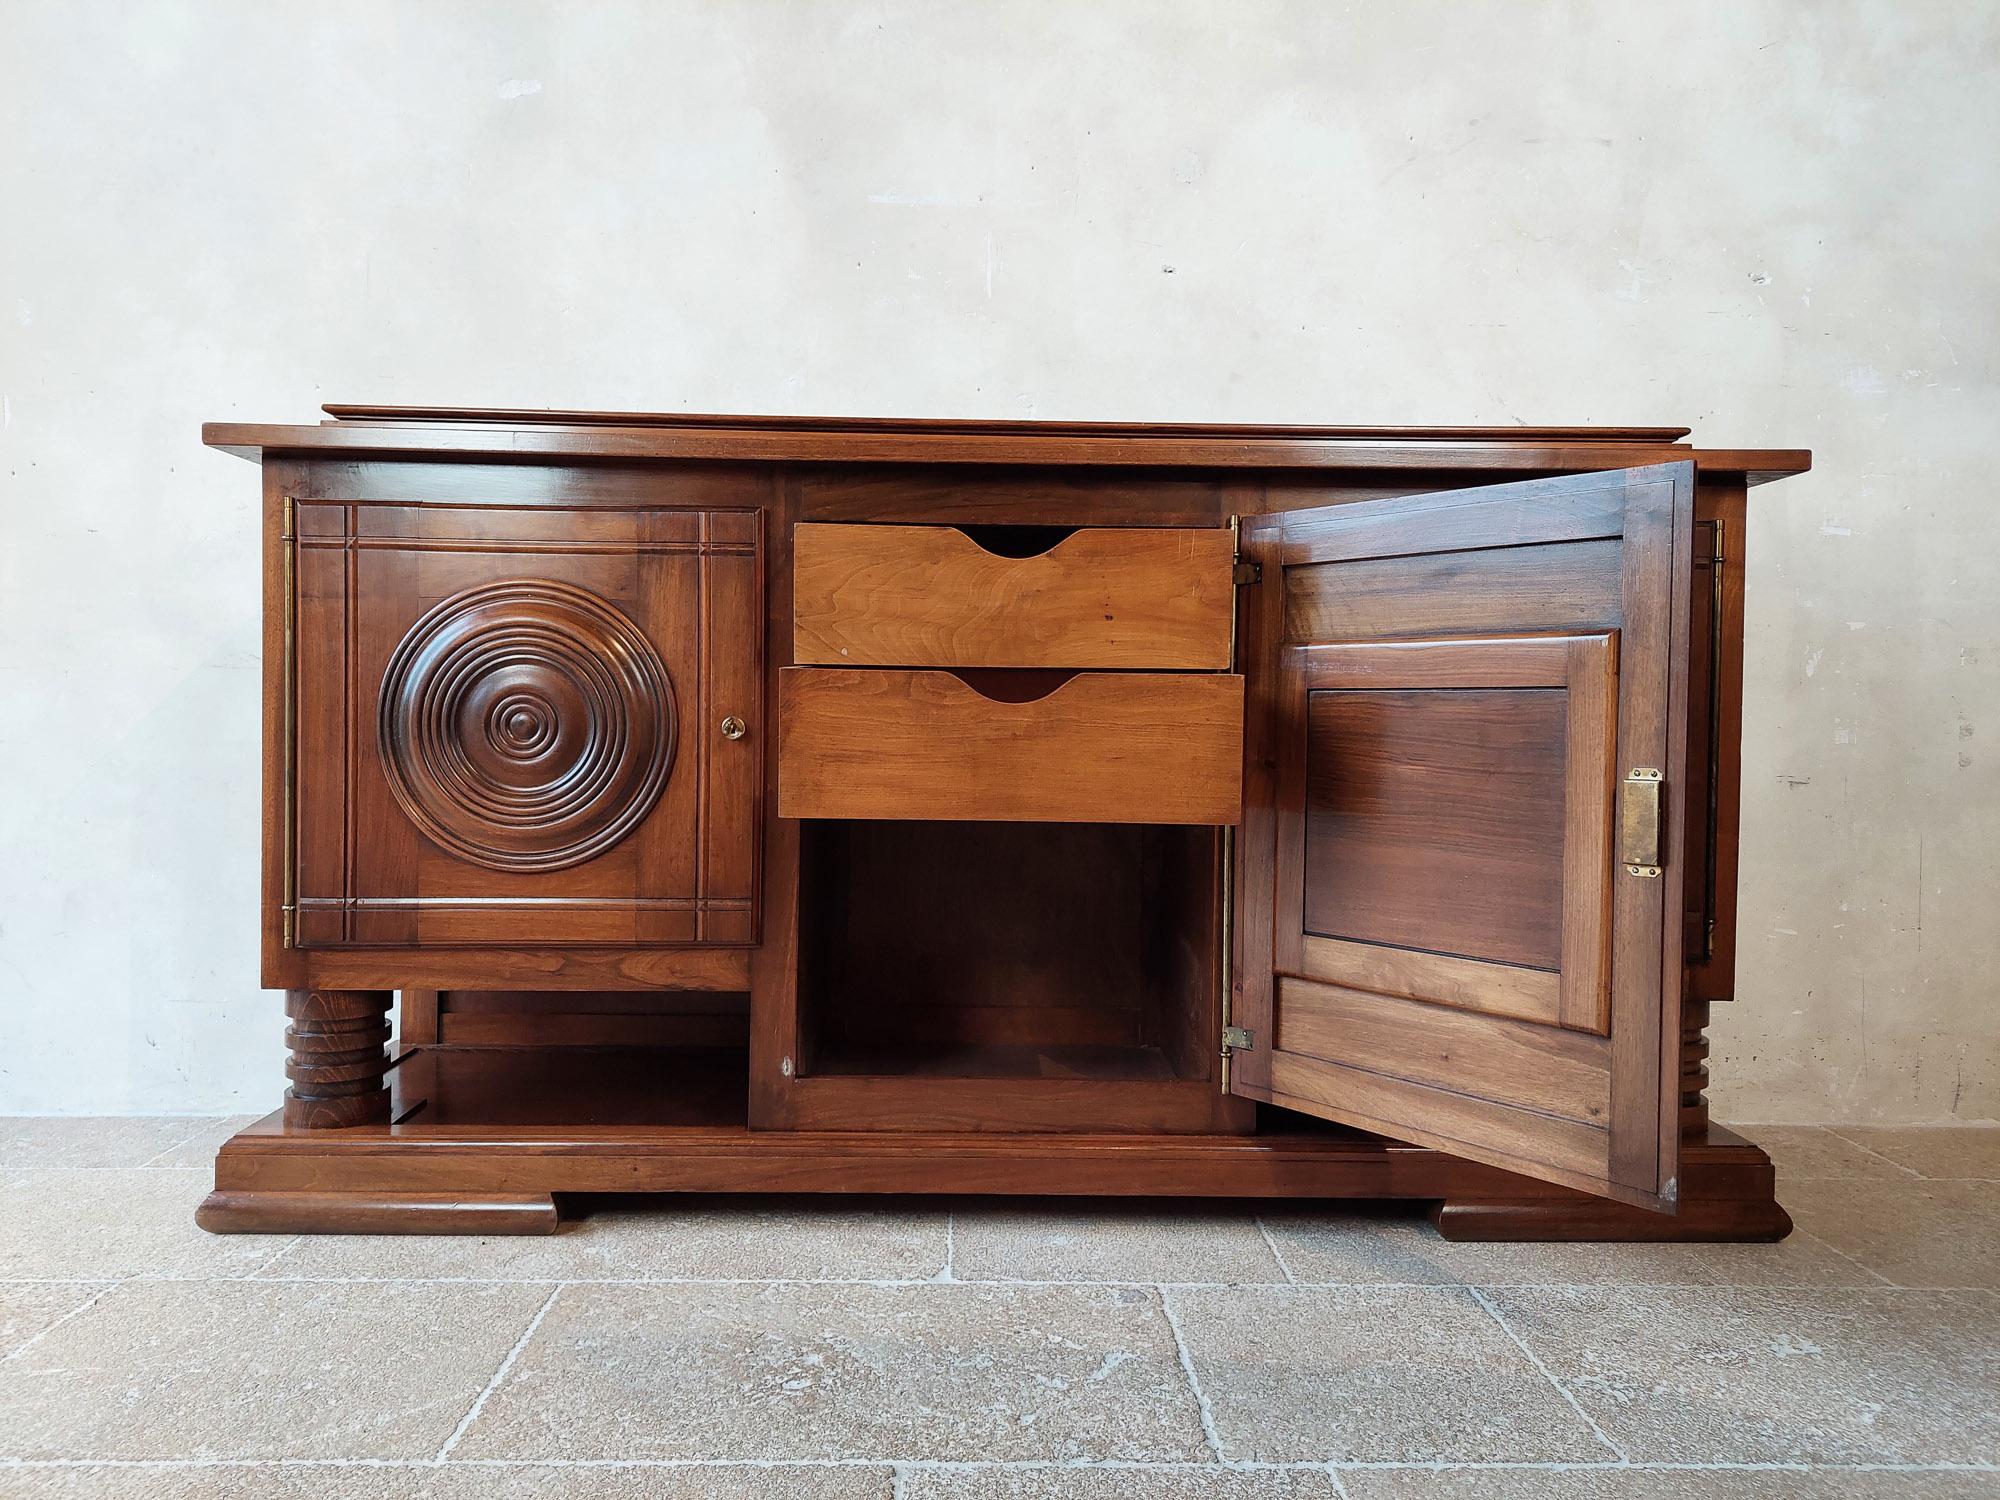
(1126, 747)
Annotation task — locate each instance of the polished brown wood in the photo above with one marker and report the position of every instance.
(225, 1212)
(1127, 747)
(444, 432)
(939, 596)
(1451, 797)
(536, 968)
(1435, 773)
(1714, 806)
(481, 757)
(474, 1131)
(594, 1018)
(336, 1038)
(516, 416)
(1009, 969)
(999, 976)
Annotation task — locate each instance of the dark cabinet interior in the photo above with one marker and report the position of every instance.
(1008, 950)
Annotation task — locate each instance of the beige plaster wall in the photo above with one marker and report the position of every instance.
(1777, 222)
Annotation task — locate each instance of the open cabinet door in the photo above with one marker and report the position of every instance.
(1458, 892)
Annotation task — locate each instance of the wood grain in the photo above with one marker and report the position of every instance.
(507, 725)
(1718, 800)
(1370, 733)
(227, 1212)
(1429, 1114)
(1574, 978)
(529, 968)
(1516, 1063)
(923, 596)
(1433, 820)
(1494, 989)
(516, 416)
(1589, 785)
(337, 1064)
(1102, 748)
(778, 440)
(1565, 586)
(590, 1127)
(1583, 507)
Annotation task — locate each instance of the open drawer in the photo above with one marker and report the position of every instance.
(1126, 747)
(1156, 598)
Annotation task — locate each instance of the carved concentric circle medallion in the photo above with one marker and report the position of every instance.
(526, 725)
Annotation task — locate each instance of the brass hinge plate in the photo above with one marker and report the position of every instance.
(1249, 572)
(1238, 1039)
(1639, 822)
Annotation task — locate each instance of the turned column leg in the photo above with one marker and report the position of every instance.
(337, 1066)
(1694, 1070)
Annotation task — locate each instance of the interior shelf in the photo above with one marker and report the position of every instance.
(570, 1087)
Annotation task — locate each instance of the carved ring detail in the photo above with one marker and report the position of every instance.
(526, 725)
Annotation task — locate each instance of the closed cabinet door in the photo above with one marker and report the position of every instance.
(523, 727)
(1459, 893)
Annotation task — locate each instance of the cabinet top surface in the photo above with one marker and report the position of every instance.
(475, 432)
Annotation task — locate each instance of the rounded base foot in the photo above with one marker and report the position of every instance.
(232, 1211)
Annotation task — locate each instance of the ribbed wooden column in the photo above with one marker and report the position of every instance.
(1694, 1070)
(337, 1065)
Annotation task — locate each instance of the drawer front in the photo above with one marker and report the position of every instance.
(931, 596)
(1111, 748)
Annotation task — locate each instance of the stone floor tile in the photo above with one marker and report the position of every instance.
(199, 1149)
(239, 1369)
(1800, 1259)
(91, 1140)
(1666, 1484)
(1359, 1249)
(29, 1307)
(790, 1372)
(1933, 1151)
(1938, 1234)
(1109, 1242)
(111, 1223)
(1178, 1482)
(1803, 1152)
(1774, 1375)
(1371, 1374)
(751, 1239)
(451, 1482)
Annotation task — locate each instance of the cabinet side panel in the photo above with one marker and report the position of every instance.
(279, 963)
(1721, 502)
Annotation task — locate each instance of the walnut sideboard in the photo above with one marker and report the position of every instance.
(749, 804)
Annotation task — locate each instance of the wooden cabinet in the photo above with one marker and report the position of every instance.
(745, 804)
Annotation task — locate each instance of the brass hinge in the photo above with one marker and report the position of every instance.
(1238, 1039)
(1249, 573)
(1639, 822)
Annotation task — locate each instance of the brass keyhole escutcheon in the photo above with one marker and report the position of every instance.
(734, 728)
